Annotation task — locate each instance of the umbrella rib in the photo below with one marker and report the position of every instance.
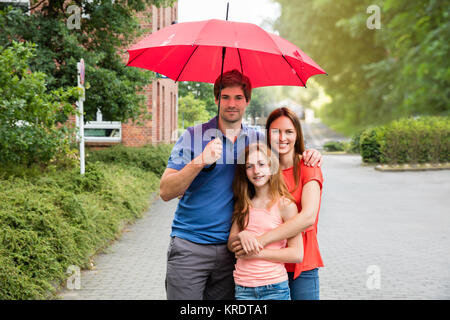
(186, 64)
(294, 71)
(240, 61)
(137, 56)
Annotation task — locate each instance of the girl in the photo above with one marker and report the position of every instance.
(262, 202)
(305, 185)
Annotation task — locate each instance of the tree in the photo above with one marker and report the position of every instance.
(191, 111)
(29, 111)
(261, 102)
(202, 91)
(100, 41)
(375, 75)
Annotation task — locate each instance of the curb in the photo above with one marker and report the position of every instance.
(416, 167)
(334, 153)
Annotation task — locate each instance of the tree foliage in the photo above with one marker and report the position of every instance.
(375, 75)
(29, 110)
(202, 91)
(262, 102)
(191, 111)
(101, 39)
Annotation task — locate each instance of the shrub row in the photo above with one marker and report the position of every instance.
(421, 140)
(332, 146)
(57, 218)
(148, 158)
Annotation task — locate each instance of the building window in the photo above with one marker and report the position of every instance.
(171, 113)
(163, 113)
(24, 5)
(157, 112)
(159, 18)
(102, 131)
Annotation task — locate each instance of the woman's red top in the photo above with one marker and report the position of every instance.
(311, 253)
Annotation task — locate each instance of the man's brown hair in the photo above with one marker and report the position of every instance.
(234, 78)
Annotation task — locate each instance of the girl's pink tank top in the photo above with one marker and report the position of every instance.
(258, 272)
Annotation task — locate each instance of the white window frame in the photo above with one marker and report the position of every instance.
(18, 3)
(100, 124)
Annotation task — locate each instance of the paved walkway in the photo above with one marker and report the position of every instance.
(133, 267)
(382, 235)
(316, 134)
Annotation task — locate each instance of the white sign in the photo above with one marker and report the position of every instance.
(80, 67)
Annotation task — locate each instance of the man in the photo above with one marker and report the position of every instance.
(199, 265)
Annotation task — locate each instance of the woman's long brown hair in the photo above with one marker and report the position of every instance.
(299, 146)
(244, 190)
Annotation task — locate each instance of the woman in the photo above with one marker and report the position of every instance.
(305, 185)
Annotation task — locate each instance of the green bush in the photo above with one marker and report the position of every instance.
(29, 112)
(353, 146)
(369, 144)
(53, 219)
(334, 146)
(148, 158)
(421, 140)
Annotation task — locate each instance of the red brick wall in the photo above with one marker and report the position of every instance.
(161, 94)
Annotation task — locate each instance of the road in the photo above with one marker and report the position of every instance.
(316, 134)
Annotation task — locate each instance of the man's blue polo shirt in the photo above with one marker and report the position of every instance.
(204, 212)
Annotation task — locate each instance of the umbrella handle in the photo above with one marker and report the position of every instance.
(210, 168)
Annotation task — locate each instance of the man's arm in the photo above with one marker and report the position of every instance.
(174, 182)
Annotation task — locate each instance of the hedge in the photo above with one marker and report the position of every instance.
(148, 158)
(53, 218)
(413, 141)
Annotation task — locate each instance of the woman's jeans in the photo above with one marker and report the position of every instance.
(306, 286)
(277, 291)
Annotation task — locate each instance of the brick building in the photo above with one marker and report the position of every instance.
(161, 94)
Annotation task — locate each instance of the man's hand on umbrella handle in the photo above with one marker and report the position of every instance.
(311, 157)
(212, 152)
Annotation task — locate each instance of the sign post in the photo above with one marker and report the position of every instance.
(80, 118)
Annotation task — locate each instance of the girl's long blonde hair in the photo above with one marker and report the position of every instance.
(244, 190)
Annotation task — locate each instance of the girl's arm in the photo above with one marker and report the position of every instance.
(297, 224)
(293, 253)
(174, 183)
(234, 235)
(248, 240)
(301, 221)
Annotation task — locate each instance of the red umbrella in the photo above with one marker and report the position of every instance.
(193, 51)
(196, 51)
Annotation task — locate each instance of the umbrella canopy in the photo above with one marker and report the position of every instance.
(192, 51)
